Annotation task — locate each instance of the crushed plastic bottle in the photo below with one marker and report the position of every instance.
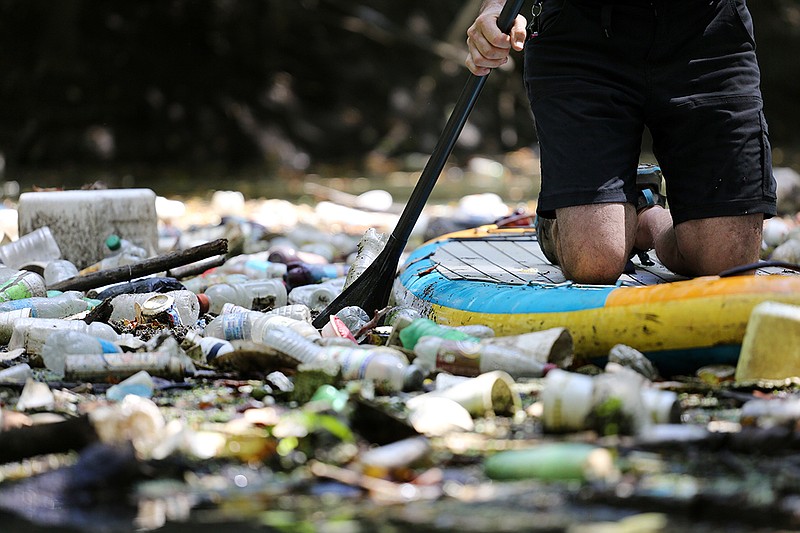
(205, 349)
(140, 384)
(58, 270)
(63, 343)
(317, 296)
(61, 306)
(36, 246)
(24, 284)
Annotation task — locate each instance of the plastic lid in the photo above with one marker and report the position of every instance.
(204, 302)
(113, 242)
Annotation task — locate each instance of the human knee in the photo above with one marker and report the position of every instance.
(711, 246)
(599, 267)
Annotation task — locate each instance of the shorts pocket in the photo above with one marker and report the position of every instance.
(551, 15)
(769, 185)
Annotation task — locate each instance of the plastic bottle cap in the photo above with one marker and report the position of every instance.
(204, 302)
(113, 242)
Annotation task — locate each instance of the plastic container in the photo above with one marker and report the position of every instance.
(257, 295)
(771, 343)
(38, 245)
(59, 270)
(60, 306)
(63, 343)
(254, 266)
(470, 358)
(410, 333)
(24, 284)
(369, 247)
(31, 333)
(81, 220)
(186, 303)
(16, 374)
(554, 345)
(232, 326)
(284, 253)
(199, 284)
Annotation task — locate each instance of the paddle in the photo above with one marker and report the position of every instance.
(371, 289)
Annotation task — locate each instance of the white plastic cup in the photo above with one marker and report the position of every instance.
(567, 400)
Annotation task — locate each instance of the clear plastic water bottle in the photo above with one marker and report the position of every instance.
(59, 270)
(199, 284)
(116, 245)
(258, 295)
(317, 296)
(31, 333)
(61, 344)
(60, 306)
(232, 326)
(262, 324)
(24, 284)
(254, 266)
(7, 321)
(140, 384)
(38, 245)
(470, 358)
(186, 303)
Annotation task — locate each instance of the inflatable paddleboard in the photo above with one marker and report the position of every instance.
(499, 277)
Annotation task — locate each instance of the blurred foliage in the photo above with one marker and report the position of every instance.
(279, 84)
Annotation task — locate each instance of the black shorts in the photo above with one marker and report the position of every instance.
(685, 69)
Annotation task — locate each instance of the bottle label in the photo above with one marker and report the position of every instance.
(459, 362)
(236, 326)
(354, 362)
(19, 289)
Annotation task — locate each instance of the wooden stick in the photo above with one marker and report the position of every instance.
(59, 437)
(193, 269)
(142, 268)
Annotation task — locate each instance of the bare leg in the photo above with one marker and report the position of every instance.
(593, 241)
(701, 247)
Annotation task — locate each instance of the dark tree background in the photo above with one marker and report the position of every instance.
(275, 84)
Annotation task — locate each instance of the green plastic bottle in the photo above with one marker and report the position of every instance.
(421, 327)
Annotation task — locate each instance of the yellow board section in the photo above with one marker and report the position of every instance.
(647, 326)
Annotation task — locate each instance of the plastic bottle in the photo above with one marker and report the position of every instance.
(61, 306)
(199, 284)
(63, 343)
(299, 274)
(116, 245)
(31, 333)
(317, 296)
(471, 358)
(59, 270)
(102, 367)
(264, 323)
(386, 367)
(288, 253)
(411, 332)
(232, 326)
(205, 349)
(139, 286)
(254, 266)
(187, 304)
(108, 263)
(24, 284)
(7, 321)
(369, 247)
(257, 295)
(38, 245)
(16, 374)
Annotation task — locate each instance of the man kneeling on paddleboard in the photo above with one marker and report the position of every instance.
(598, 72)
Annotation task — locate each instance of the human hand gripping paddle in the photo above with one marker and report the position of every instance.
(371, 289)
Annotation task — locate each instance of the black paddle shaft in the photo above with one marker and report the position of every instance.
(371, 289)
